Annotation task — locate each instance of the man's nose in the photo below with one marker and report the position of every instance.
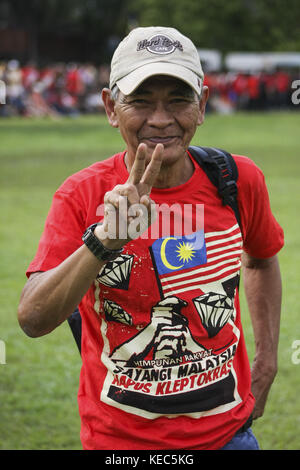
(160, 116)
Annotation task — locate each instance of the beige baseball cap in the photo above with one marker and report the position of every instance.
(155, 50)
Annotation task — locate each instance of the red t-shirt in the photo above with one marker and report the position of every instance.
(164, 362)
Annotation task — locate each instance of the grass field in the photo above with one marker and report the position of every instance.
(38, 383)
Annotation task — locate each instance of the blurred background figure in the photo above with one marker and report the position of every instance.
(15, 92)
(71, 89)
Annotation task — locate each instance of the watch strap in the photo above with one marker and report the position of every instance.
(96, 247)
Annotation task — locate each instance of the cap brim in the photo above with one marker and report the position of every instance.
(134, 79)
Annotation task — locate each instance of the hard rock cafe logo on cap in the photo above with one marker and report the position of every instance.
(159, 44)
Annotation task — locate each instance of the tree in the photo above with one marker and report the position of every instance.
(93, 20)
(235, 25)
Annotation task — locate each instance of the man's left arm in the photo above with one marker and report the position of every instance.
(262, 282)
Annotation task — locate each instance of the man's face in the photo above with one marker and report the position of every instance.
(162, 110)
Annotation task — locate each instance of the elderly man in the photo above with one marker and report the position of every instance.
(143, 244)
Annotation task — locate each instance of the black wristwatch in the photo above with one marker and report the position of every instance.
(96, 247)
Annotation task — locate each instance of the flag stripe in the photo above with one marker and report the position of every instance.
(223, 232)
(231, 253)
(227, 247)
(202, 279)
(205, 270)
(227, 239)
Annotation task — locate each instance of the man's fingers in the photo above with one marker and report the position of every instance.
(146, 201)
(138, 167)
(151, 208)
(127, 192)
(139, 174)
(152, 171)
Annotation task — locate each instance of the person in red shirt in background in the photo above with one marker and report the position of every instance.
(282, 82)
(240, 88)
(30, 75)
(253, 91)
(270, 85)
(222, 98)
(74, 85)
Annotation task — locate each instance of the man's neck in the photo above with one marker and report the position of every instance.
(176, 174)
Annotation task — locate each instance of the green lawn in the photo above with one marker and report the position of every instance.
(38, 383)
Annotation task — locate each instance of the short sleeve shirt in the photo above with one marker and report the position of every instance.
(164, 361)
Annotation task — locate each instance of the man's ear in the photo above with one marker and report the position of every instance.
(109, 105)
(202, 104)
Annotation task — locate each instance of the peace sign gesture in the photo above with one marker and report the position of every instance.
(128, 209)
(143, 179)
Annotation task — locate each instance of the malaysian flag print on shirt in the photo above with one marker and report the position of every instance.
(185, 263)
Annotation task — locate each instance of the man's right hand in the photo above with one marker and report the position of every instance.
(128, 209)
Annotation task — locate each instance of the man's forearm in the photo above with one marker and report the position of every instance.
(262, 282)
(48, 298)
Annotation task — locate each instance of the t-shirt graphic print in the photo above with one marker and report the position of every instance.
(181, 361)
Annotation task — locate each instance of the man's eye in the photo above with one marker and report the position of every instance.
(179, 100)
(138, 101)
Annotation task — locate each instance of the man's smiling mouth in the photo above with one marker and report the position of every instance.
(160, 139)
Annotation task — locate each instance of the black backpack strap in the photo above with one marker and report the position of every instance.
(222, 171)
(74, 321)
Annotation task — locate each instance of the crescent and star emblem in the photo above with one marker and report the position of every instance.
(163, 254)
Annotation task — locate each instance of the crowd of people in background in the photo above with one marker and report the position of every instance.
(54, 90)
(73, 89)
(258, 91)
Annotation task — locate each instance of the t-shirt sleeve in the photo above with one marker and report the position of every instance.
(62, 233)
(263, 236)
